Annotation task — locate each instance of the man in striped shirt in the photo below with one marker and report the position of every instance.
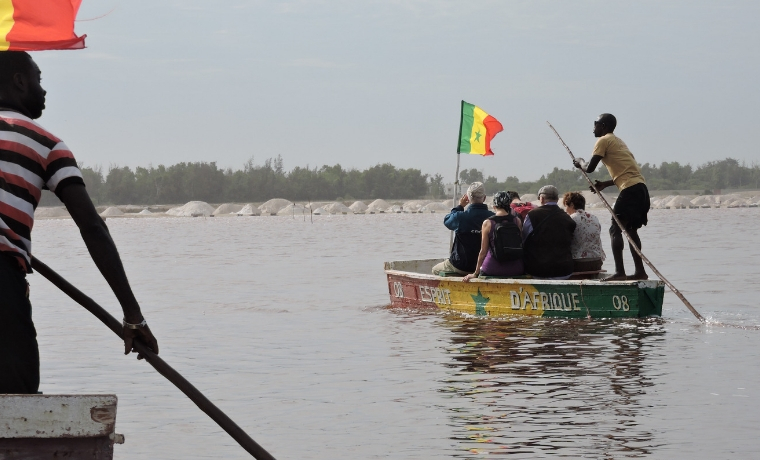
(32, 159)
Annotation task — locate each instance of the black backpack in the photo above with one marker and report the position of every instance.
(507, 239)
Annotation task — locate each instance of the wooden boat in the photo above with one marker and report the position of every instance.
(58, 426)
(412, 284)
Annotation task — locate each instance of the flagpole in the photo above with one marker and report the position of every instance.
(454, 200)
(456, 176)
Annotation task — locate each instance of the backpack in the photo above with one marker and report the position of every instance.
(507, 239)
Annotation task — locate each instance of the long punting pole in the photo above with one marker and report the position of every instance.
(630, 240)
(159, 364)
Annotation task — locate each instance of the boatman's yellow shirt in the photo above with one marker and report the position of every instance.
(619, 161)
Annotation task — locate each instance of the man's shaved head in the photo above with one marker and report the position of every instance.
(11, 63)
(608, 120)
(20, 88)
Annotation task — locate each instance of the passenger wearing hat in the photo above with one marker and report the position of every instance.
(466, 225)
(632, 205)
(547, 234)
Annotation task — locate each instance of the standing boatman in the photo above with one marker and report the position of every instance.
(632, 205)
(32, 159)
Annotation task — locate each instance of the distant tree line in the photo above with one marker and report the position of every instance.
(204, 181)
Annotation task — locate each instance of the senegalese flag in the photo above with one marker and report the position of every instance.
(32, 25)
(476, 129)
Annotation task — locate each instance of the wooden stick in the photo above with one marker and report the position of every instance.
(630, 240)
(159, 364)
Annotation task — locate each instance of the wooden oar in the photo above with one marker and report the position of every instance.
(159, 364)
(630, 240)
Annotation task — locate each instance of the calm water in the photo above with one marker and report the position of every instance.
(283, 323)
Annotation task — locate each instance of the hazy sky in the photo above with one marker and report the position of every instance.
(366, 82)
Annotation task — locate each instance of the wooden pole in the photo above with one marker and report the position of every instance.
(159, 364)
(628, 237)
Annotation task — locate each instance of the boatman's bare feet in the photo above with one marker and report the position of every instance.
(615, 277)
(637, 277)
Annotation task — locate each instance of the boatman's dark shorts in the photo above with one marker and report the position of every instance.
(19, 356)
(632, 207)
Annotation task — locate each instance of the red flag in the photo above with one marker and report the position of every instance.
(32, 25)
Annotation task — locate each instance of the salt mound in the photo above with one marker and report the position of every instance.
(529, 197)
(337, 208)
(145, 212)
(293, 209)
(661, 203)
(227, 208)
(320, 211)
(591, 197)
(111, 212)
(249, 210)
(358, 207)
(738, 203)
(51, 213)
(378, 206)
(679, 202)
(413, 206)
(395, 209)
(436, 207)
(192, 209)
(704, 201)
(273, 206)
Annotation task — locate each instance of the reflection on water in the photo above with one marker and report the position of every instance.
(528, 387)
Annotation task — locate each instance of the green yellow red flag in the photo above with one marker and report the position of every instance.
(476, 129)
(32, 25)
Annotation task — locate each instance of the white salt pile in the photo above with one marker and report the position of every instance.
(414, 206)
(704, 201)
(395, 209)
(436, 207)
(145, 212)
(737, 203)
(273, 206)
(377, 206)
(679, 202)
(113, 211)
(192, 209)
(661, 202)
(529, 197)
(320, 211)
(51, 213)
(248, 210)
(337, 207)
(227, 208)
(358, 207)
(294, 209)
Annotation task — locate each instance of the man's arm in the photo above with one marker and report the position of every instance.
(103, 252)
(591, 167)
(451, 221)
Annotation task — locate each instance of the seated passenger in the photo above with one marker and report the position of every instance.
(586, 247)
(547, 234)
(488, 263)
(520, 208)
(466, 225)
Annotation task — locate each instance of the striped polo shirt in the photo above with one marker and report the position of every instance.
(31, 160)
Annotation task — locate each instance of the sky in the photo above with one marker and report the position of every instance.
(366, 82)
